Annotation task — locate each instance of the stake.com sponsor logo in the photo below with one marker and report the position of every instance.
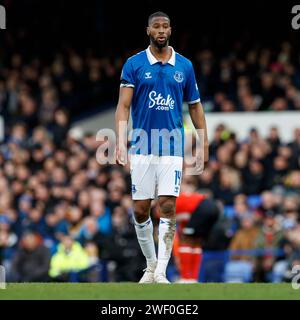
(158, 101)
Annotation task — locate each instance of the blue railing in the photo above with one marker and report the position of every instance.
(100, 270)
(217, 265)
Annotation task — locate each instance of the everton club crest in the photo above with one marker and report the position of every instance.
(178, 76)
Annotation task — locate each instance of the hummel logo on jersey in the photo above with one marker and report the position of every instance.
(158, 101)
(148, 75)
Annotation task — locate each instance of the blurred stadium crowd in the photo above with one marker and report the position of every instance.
(255, 80)
(260, 79)
(60, 211)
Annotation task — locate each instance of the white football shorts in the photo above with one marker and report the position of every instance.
(153, 176)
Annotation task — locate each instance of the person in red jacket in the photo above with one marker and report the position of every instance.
(196, 215)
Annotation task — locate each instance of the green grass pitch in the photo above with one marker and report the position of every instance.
(134, 291)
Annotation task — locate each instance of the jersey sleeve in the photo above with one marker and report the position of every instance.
(191, 92)
(127, 75)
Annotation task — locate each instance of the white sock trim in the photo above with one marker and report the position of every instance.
(145, 223)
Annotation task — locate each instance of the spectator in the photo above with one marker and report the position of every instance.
(241, 266)
(124, 249)
(8, 242)
(269, 238)
(229, 186)
(245, 238)
(60, 126)
(254, 177)
(31, 261)
(268, 204)
(90, 233)
(282, 269)
(70, 257)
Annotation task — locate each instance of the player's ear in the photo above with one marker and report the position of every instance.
(148, 31)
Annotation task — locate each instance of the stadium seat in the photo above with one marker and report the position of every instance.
(254, 201)
(229, 211)
(238, 271)
(212, 268)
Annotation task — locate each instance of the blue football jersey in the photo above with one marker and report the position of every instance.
(159, 92)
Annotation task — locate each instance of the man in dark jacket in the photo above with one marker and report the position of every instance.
(31, 261)
(124, 249)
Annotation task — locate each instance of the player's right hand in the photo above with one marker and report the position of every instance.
(121, 154)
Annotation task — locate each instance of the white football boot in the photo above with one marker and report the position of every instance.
(160, 278)
(148, 276)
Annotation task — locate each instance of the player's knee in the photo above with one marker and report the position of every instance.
(167, 208)
(140, 217)
(141, 212)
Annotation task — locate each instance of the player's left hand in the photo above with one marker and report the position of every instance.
(200, 162)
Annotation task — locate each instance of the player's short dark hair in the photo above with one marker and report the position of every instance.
(157, 14)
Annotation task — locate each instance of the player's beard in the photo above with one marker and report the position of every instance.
(160, 45)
